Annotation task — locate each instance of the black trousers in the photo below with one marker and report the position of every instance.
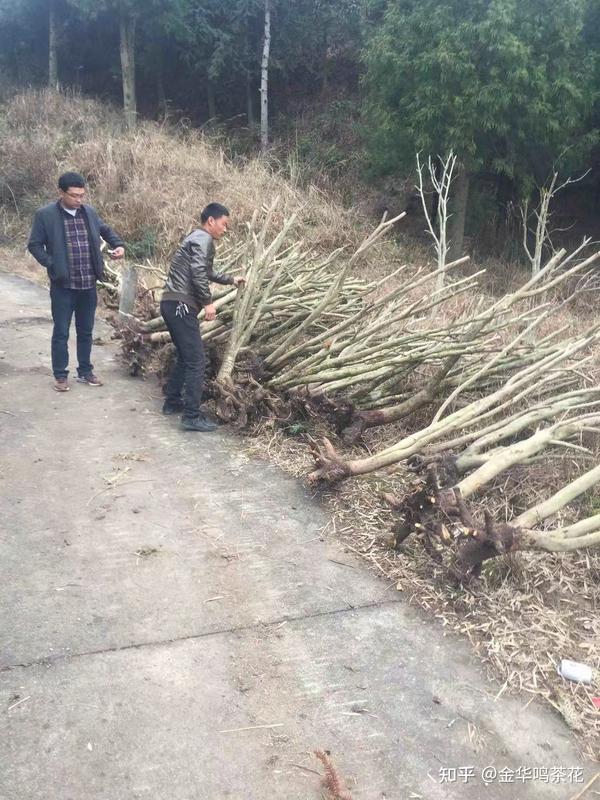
(187, 376)
(65, 303)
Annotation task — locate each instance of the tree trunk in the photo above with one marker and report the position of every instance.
(435, 196)
(161, 95)
(211, 99)
(459, 213)
(249, 65)
(250, 101)
(53, 47)
(325, 65)
(384, 416)
(264, 81)
(127, 28)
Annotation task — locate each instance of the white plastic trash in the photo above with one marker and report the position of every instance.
(575, 671)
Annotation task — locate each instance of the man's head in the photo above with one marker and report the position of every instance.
(215, 220)
(72, 189)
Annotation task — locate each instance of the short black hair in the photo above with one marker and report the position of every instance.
(71, 179)
(214, 210)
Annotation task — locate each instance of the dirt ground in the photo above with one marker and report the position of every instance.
(174, 624)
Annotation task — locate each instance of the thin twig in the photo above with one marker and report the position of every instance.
(308, 769)
(252, 728)
(118, 486)
(588, 785)
(18, 703)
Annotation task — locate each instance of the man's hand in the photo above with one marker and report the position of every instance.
(210, 312)
(239, 280)
(118, 252)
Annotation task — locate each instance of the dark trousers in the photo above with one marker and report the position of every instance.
(187, 376)
(65, 303)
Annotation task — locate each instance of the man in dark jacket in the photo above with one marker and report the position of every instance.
(65, 238)
(186, 292)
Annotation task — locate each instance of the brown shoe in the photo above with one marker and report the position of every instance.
(61, 385)
(90, 379)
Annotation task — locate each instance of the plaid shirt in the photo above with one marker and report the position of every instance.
(78, 249)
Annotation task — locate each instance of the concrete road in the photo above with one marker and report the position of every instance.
(172, 626)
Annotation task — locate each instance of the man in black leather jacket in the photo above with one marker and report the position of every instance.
(186, 292)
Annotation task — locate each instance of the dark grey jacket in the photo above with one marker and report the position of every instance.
(192, 269)
(48, 243)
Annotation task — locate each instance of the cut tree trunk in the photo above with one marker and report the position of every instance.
(587, 534)
(127, 30)
(560, 499)
(384, 416)
(502, 458)
(333, 468)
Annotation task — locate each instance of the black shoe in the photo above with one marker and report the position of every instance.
(200, 424)
(172, 407)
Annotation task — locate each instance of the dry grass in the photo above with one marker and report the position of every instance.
(151, 184)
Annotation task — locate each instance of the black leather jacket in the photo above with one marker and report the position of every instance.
(192, 269)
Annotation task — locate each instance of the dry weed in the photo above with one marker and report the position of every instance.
(151, 184)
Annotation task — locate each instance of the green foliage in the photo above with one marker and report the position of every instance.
(505, 84)
(296, 429)
(184, 45)
(144, 246)
(23, 28)
(160, 8)
(321, 156)
(309, 34)
(217, 39)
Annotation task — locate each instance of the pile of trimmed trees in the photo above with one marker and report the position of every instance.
(500, 382)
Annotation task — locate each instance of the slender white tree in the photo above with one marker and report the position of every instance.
(540, 217)
(440, 175)
(53, 81)
(264, 80)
